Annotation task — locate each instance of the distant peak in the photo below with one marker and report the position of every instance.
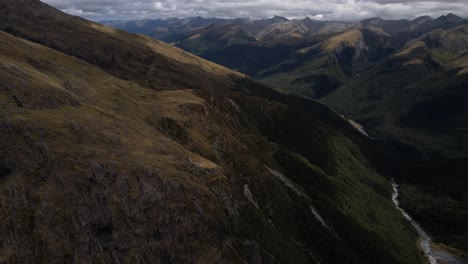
(279, 18)
(423, 18)
(453, 15)
(451, 18)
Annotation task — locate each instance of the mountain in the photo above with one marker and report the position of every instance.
(179, 29)
(417, 98)
(427, 68)
(275, 48)
(319, 69)
(403, 80)
(213, 37)
(299, 56)
(142, 60)
(163, 28)
(120, 148)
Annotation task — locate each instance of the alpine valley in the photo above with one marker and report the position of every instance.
(231, 140)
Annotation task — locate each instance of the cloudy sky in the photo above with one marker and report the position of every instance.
(319, 9)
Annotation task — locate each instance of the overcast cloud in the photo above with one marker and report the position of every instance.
(318, 9)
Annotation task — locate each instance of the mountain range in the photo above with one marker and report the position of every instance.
(386, 74)
(352, 67)
(120, 148)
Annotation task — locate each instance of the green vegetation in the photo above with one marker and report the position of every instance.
(414, 103)
(332, 175)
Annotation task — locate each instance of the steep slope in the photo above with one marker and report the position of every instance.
(95, 168)
(141, 59)
(116, 172)
(404, 80)
(460, 64)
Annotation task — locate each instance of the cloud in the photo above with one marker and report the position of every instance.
(319, 9)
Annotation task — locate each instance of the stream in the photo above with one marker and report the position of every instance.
(434, 255)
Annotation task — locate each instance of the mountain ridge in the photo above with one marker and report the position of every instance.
(99, 165)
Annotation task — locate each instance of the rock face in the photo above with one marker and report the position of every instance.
(97, 167)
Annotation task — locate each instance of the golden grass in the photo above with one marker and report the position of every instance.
(187, 58)
(460, 65)
(349, 38)
(414, 62)
(141, 59)
(168, 50)
(104, 29)
(179, 97)
(410, 48)
(112, 114)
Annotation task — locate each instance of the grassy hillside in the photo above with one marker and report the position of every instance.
(137, 58)
(95, 168)
(404, 80)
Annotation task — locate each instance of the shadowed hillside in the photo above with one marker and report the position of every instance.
(96, 167)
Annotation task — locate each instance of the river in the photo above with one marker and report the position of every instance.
(433, 254)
